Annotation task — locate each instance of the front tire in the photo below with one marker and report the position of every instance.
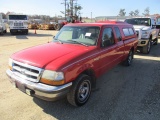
(146, 49)
(80, 91)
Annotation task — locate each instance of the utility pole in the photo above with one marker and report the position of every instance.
(71, 7)
(65, 4)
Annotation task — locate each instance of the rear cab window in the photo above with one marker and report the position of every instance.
(118, 34)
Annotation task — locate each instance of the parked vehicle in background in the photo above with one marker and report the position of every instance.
(158, 23)
(70, 64)
(69, 19)
(3, 28)
(146, 31)
(18, 23)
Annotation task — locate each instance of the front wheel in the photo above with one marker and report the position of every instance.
(80, 91)
(146, 49)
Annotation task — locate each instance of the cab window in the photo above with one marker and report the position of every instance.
(107, 37)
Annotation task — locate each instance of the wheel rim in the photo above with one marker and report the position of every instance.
(130, 57)
(84, 91)
(149, 46)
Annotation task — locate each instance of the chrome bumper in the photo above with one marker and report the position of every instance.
(142, 42)
(40, 90)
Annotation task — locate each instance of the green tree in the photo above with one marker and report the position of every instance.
(131, 13)
(146, 12)
(136, 12)
(122, 12)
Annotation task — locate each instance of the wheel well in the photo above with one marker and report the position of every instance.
(132, 51)
(91, 73)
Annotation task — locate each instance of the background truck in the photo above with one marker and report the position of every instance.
(3, 28)
(18, 23)
(146, 31)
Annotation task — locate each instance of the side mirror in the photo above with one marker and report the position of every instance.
(153, 26)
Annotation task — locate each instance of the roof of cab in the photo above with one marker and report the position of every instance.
(99, 23)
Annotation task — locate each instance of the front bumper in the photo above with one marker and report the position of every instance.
(142, 42)
(40, 90)
(18, 30)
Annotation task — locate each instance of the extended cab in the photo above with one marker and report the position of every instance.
(146, 31)
(70, 64)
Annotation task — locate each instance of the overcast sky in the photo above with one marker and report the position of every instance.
(97, 7)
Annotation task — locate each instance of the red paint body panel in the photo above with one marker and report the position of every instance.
(73, 59)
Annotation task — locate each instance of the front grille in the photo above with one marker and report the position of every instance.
(26, 71)
(18, 24)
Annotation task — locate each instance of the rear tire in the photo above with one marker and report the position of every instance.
(58, 26)
(156, 41)
(80, 91)
(129, 59)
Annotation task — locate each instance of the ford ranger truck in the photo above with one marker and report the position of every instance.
(146, 31)
(69, 65)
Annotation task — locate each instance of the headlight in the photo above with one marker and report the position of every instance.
(10, 63)
(145, 34)
(52, 77)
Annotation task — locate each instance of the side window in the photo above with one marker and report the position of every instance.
(126, 32)
(131, 31)
(108, 37)
(118, 34)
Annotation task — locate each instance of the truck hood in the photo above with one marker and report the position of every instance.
(42, 55)
(141, 27)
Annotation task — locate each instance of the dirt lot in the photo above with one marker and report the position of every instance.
(123, 93)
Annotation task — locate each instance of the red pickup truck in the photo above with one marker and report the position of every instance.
(69, 65)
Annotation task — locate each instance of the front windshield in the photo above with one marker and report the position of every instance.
(139, 21)
(86, 35)
(17, 17)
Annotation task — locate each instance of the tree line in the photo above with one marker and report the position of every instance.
(76, 10)
(135, 13)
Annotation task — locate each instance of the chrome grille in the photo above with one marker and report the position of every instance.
(26, 71)
(18, 24)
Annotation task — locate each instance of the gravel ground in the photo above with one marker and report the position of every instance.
(123, 93)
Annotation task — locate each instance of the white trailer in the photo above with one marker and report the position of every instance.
(18, 23)
(3, 28)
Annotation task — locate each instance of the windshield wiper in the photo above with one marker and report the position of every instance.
(58, 40)
(78, 42)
